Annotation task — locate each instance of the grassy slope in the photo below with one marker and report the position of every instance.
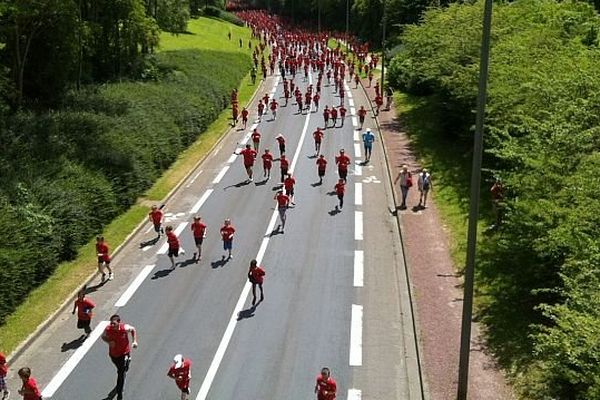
(204, 33)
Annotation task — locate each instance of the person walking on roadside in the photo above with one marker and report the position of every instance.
(288, 185)
(174, 245)
(102, 251)
(245, 116)
(326, 387)
(249, 155)
(283, 203)
(342, 114)
(116, 335)
(256, 276)
(334, 116)
(235, 113)
(261, 109)
(267, 158)
(3, 374)
(29, 389)
(318, 136)
(362, 113)
(342, 161)
(181, 372)
(253, 73)
(199, 231)
(326, 114)
(405, 179)
(321, 166)
(424, 184)
(227, 231)
(340, 190)
(156, 217)
(368, 138)
(284, 164)
(84, 307)
(281, 142)
(274, 104)
(255, 139)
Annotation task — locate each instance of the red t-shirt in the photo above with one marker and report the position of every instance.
(362, 112)
(256, 275)
(198, 228)
(244, 114)
(282, 200)
(249, 156)
(31, 390)
(102, 249)
(340, 188)
(181, 374)
(333, 113)
(326, 113)
(255, 137)
(289, 183)
(119, 336)
(284, 163)
(3, 366)
(274, 105)
(84, 309)
(318, 135)
(342, 111)
(267, 160)
(326, 389)
(321, 163)
(261, 107)
(172, 240)
(156, 216)
(227, 232)
(342, 162)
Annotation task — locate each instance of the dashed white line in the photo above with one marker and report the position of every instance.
(201, 201)
(233, 157)
(253, 127)
(220, 175)
(357, 150)
(359, 268)
(178, 230)
(358, 170)
(358, 225)
(355, 122)
(193, 179)
(358, 194)
(351, 102)
(356, 336)
(354, 394)
(72, 362)
(134, 286)
(352, 111)
(356, 135)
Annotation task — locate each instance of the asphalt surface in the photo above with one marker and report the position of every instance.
(275, 350)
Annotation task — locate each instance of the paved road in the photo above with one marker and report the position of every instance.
(334, 289)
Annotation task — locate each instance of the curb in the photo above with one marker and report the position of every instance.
(25, 344)
(425, 395)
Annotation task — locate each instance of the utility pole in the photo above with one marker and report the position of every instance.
(467, 314)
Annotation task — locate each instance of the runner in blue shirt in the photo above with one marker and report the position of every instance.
(368, 139)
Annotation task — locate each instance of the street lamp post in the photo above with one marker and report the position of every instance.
(467, 314)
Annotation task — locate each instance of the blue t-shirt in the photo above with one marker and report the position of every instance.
(368, 138)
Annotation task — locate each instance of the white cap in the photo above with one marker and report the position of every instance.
(178, 360)
(368, 129)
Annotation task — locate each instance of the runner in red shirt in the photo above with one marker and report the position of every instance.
(103, 258)
(261, 109)
(342, 114)
(274, 104)
(29, 389)
(325, 388)
(267, 158)
(356, 81)
(370, 77)
(249, 155)
(340, 189)
(378, 104)
(283, 202)
(199, 231)
(156, 217)
(321, 166)
(181, 372)
(316, 99)
(227, 231)
(256, 276)
(284, 164)
(342, 162)
(255, 139)
(288, 185)
(235, 114)
(326, 114)
(116, 335)
(362, 113)
(84, 307)
(3, 374)
(245, 117)
(281, 142)
(174, 245)
(265, 99)
(334, 115)
(318, 136)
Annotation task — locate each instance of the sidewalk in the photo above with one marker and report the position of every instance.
(437, 290)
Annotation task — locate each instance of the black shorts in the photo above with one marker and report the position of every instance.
(289, 192)
(343, 173)
(157, 227)
(173, 252)
(102, 261)
(83, 323)
(282, 148)
(321, 172)
(198, 240)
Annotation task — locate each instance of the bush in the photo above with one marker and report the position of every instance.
(212, 11)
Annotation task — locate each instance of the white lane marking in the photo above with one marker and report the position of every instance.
(359, 268)
(72, 362)
(356, 336)
(193, 179)
(302, 136)
(220, 175)
(354, 394)
(200, 202)
(358, 170)
(218, 358)
(178, 230)
(357, 150)
(358, 194)
(352, 111)
(356, 136)
(148, 231)
(351, 102)
(246, 138)
(253, 127)
(358, 225)
(355, 121)
(134, 286)
(233, 157)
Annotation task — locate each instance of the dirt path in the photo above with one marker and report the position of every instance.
(436, 288)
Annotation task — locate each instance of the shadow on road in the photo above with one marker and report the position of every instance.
(239, 184)
(316, 184)
(247, 313)
(150, 242)
(219, 263)
(335, 211)
(162, 273)
(73, 344)
(187, 262)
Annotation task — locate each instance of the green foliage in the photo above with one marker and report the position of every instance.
(538, 278)
(172, 15)
(212, 11)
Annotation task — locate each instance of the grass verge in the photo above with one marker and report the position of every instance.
(204, 33)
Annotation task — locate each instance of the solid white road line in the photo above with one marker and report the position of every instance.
(134, 286)
(355, 122)
(354, 394)
(358, 225)
(352, 111)
(178, 230)
(220, 175)
(356, 336)
(359, 268)
(351, 102)
(233, 157)
(357, 150)
(356, 135)
(193, 179)
(358, 194)
(201, 201)
(220, 353)
(246, 138)
(72, 362)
